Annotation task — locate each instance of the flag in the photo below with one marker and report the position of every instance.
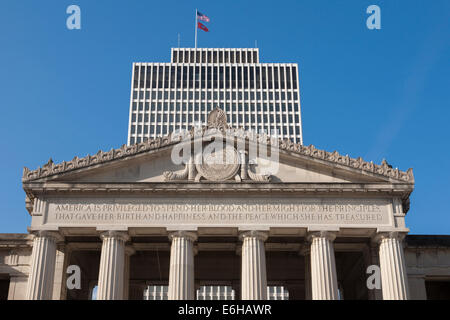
(202, 26)
(202, 17)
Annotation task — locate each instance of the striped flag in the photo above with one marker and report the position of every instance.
(202, 17)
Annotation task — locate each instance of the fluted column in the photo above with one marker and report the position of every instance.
(394, 282)
(112, 266)
(181, 273)
(129, 251)
(323, 266)
(42, 274)
(253, 276)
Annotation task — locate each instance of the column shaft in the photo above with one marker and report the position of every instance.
(307, 257)
(253, 277)
(394, 282)
(181, 273)
(112, 266)
(129, 251)
(43, 257)
(323, 267)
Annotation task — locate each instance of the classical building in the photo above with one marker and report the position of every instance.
(262, 97)
(139, 226)
(220, 210)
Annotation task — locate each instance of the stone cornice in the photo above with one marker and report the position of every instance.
(384, 170)
(33, 188)
(50, 168)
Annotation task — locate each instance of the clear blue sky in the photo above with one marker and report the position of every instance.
(371, 93)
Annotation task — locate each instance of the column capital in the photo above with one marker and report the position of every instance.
(380, 236)
(129, 251)
(52, 235)
(305, 249)
(189, 235)
(119, 235)
(260, 235)
(329, 235)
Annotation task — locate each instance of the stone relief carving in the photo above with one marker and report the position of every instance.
(187, 173)
(257, 177)
(220, 165)
(170, 175)
(217, 119)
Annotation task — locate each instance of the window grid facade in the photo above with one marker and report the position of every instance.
(277, 293)
(171, 96)
(160, 292)
(156, 293)
(215, 293)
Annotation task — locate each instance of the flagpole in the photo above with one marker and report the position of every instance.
(195, 28)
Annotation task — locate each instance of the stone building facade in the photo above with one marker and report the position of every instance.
(131, 219)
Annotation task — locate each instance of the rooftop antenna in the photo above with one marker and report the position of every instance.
(256, 43)
(178, 41)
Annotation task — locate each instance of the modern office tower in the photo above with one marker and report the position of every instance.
(263, 97)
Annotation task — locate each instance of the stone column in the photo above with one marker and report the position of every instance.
(42, 274)
(394, 282)
(306, 252)
(323, 266)
(112, 266)
(129, 251)
(253, 276)
(59, 284)
(181, 273)
(417, 289)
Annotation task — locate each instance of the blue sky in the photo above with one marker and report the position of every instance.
(371, 93)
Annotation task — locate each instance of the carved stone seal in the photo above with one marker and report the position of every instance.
(218, 165)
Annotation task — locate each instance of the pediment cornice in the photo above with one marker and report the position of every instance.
(310, 152)
(380, 189)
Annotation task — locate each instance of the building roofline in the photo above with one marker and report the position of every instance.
(416, 240)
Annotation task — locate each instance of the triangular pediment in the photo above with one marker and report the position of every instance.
(151, 162)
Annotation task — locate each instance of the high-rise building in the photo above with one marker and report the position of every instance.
(263, 97)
